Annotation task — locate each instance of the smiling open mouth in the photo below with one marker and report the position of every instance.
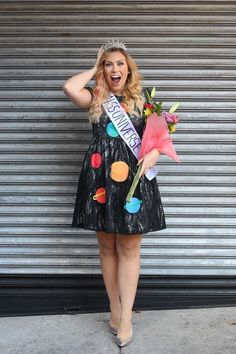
(115, 79)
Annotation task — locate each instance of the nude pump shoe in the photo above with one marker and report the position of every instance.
(126, 341)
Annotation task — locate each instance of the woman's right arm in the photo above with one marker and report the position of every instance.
(75, 89)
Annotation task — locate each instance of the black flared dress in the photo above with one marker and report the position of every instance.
(107, 173)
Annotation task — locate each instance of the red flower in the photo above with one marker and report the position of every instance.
(148, 105)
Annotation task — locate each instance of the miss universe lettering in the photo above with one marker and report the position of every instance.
(123, 124)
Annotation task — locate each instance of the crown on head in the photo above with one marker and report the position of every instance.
(114, 44)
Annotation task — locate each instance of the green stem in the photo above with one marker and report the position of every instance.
(134, 184)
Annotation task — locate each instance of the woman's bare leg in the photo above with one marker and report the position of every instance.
(109, 266)
(128, 249)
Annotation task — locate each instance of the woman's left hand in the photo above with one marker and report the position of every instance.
(148, 160)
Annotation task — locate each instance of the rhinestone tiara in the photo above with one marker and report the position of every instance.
(114, 44)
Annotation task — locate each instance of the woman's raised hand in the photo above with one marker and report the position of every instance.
(74, 87)
(100, 52)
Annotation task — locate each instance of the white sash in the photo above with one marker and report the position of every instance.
(125, 128)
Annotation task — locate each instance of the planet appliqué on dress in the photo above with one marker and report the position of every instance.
(100, 195)
(96, 160)
(134, 205)
(119, 171)
(111, 130)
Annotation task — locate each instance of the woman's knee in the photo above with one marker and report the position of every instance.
(107, 243)
(128, 246)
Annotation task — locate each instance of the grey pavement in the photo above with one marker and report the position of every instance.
(195, 331)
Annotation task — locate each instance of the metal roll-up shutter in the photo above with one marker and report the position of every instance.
(187, 49)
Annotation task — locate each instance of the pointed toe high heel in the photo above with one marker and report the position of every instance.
(123, 343)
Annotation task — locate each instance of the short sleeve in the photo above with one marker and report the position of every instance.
(90, 90)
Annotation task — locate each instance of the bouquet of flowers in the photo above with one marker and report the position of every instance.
(159, 126)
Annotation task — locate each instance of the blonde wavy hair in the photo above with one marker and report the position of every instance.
(132, 91)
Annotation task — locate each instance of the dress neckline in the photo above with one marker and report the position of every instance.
(119, 97)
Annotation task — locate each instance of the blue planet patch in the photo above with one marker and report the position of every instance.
(111, 130)
(133, 206)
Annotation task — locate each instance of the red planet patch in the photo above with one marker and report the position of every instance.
(100, 195)
(96, 160)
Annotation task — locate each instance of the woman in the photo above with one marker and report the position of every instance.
(107, 174)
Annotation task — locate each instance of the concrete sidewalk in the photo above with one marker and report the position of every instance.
(197, 331)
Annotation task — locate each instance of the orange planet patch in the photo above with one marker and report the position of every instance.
(119, 171)
(100, 195)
